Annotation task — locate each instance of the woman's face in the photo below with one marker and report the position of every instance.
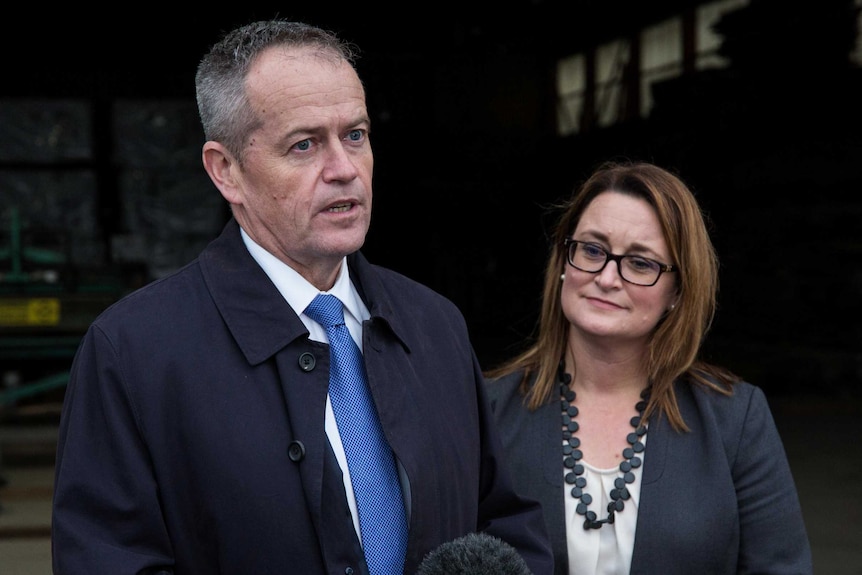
(603, 305)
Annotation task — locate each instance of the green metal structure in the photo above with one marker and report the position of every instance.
(46, 305)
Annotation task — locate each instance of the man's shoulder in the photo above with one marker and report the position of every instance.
(399, 282)
(159, 298)
(377, 281)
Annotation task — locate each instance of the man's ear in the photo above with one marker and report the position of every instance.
(222, 167)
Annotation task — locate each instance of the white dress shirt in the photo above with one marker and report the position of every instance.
(605, 551)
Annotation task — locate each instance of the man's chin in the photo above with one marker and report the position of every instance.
(346, 247)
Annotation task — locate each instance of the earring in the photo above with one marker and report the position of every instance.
(562, 277)
(673, 305)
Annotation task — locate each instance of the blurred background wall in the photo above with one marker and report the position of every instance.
(483, 118)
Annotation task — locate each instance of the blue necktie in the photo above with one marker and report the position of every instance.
(382, 519)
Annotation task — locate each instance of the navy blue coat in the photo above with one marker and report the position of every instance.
(718, 500)
(192, 437)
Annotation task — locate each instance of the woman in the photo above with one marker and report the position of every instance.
(668, 464)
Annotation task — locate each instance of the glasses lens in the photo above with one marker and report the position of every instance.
(587, 257)
(639, 270)
(592, 258)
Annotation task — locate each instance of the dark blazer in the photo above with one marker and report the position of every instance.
(192, 435)
(719, 499)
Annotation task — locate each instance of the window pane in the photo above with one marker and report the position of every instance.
(707, 41)
(661, 57)
(611, 60)
(571, 81)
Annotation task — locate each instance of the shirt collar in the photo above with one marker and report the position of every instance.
(297, 291)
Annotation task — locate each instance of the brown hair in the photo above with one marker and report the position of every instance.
(676, 341)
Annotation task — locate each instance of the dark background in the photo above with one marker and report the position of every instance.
(468, 164)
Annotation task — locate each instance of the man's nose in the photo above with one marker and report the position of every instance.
(340, 164)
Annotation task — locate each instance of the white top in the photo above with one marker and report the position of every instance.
(605, 551)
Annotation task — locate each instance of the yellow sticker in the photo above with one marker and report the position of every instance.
(33, 311)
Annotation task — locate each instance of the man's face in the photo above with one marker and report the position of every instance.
(304, 190)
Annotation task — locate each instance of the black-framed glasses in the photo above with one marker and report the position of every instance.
(592, 258)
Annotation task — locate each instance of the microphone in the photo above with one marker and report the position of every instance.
(474, 554)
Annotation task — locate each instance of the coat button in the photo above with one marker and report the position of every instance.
(296, 451)
(348, 571)
(307, 361)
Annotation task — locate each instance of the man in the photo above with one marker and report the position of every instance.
(198, 433)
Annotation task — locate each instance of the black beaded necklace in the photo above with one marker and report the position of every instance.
(572, 456)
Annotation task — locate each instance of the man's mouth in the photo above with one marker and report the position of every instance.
(340, 208)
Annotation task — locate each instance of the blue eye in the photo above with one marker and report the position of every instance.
(355, 135)
(303, 145)
(593, 251)
(641, 265)
(593, 258)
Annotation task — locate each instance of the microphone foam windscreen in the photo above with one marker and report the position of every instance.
(474, 554)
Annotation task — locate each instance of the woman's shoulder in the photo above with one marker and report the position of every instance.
(746, 406)
(737, 393)
(504, 386)
(514, 375)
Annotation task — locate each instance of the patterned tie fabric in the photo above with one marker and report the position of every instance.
(382, 519)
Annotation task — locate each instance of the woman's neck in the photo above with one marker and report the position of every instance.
(606, 369)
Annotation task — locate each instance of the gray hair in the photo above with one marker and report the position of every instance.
(225, 112)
